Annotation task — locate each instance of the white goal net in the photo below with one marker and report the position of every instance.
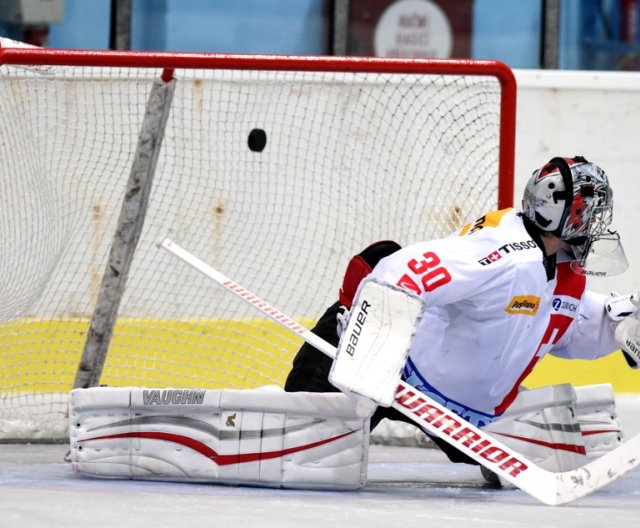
(273, 170)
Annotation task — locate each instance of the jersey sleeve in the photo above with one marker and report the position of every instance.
(592, 334)
(441, 271)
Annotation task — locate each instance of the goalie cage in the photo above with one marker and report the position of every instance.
(277, 168)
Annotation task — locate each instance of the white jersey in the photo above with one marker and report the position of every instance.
(492, 313)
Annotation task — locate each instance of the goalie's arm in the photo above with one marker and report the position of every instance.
(592, 333)
(604, 325)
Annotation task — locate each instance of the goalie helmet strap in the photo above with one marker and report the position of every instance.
(361, 265)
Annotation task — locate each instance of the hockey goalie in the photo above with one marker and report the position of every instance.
(496, 297)
(462, 319)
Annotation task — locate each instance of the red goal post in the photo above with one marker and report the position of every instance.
(275, 168)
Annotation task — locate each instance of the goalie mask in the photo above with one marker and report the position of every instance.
(571, 199)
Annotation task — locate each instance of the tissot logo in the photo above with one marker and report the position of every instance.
(505, 250)
(490, 258)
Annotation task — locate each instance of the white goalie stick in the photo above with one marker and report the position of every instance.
(548, 487)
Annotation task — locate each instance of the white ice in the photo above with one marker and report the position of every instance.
(408, 487)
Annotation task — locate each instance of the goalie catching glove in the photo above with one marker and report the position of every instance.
(374, 346)
(625, 310)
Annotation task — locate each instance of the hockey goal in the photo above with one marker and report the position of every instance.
(274, 169)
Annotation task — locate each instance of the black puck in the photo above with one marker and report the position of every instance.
(257, 140)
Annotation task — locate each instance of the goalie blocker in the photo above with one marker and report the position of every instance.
(374, 346)
(262, 437)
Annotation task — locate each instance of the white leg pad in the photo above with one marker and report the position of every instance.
(596, 413)
(252, 437)
(541, 424)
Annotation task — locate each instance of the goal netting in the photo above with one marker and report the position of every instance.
(275, 170)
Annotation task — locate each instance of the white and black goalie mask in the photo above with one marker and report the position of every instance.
(572, 199)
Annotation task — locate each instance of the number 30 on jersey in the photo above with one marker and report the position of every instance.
(431, 274)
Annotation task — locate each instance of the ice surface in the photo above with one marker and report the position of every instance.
(407, 487)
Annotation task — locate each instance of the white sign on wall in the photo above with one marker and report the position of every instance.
(413, 28)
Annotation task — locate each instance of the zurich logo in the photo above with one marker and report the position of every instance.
(556, 304)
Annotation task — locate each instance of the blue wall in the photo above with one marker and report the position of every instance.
(240, 26)
(236, 26)
(85, 26)
(506, 30)
(503, 29)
